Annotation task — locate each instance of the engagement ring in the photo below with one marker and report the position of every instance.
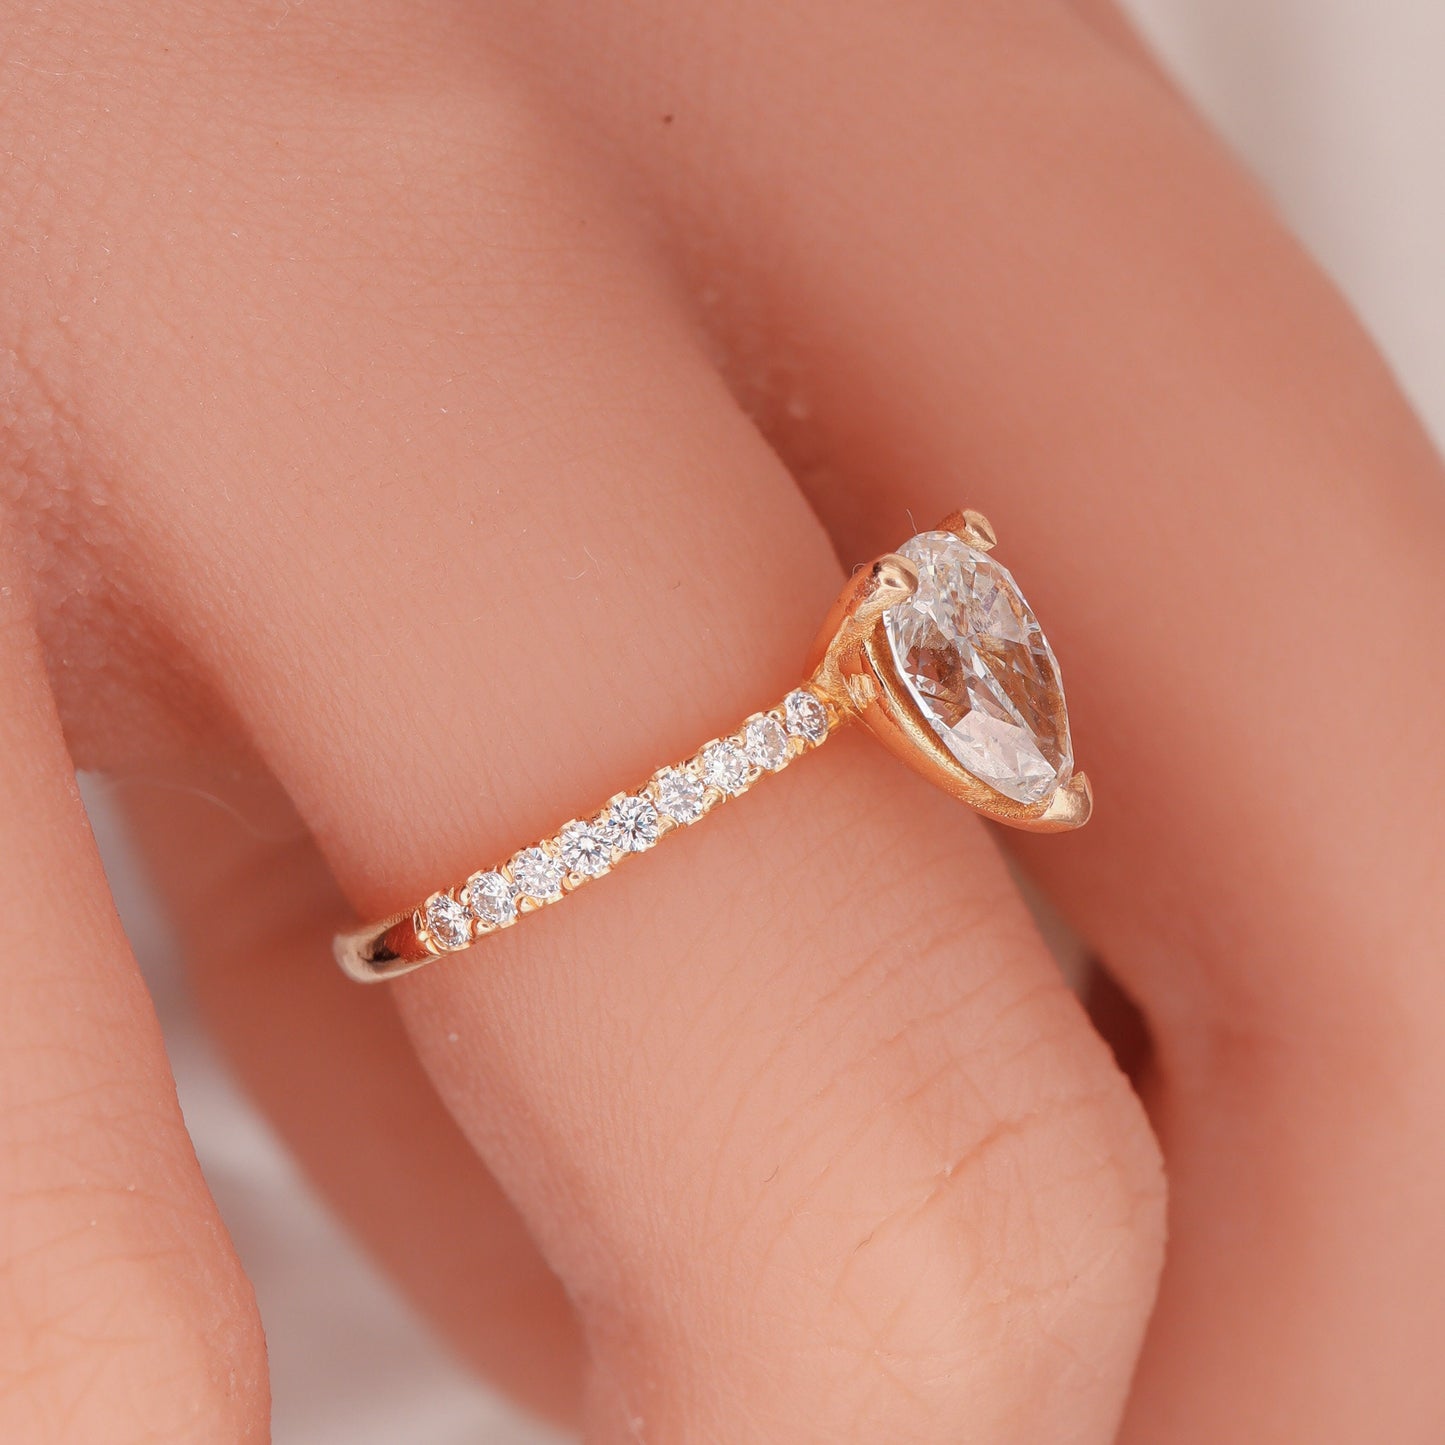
(932, 647)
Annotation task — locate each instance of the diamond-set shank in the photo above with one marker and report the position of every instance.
(582, 849)
(932, 648)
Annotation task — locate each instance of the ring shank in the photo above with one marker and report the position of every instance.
(382, 951)
(585, 849)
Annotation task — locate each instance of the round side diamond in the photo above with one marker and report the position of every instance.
(586, 848)
(765, 743)
(447, 921)
(807, 717)
(724, 766)
(634, 823)
(538, 874)
(491, 898)
(679, 795)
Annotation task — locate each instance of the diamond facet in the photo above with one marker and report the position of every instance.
(491, 899)
(447, 921)
(586, 848)
(975, 660)
(634, 823)
(725, 767)
(538, 874)
(765, 743)
(807, 717)
(679, 795)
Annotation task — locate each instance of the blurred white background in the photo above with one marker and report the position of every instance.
(1339, 106)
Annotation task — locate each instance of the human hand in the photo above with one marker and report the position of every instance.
(422, 420)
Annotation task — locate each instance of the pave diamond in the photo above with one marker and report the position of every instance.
(538, 874)
(975, 660)
(587, 848)
(725, 767)
(491, 898)
(807, 717)
(679, 795)
(765, 743)
(447, 921)
(634, 823)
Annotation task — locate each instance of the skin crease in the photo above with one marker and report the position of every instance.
(381, 376)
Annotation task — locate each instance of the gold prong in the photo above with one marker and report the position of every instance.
(891, 579)
(971, 527)
(1070, 807)
(839, 654)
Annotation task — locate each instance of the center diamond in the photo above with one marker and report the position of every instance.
(974, 658)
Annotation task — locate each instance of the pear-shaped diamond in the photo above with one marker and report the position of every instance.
(974, 658)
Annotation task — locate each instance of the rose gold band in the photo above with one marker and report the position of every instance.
(586, 848)
(933, 648)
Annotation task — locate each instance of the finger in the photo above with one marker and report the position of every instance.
(797, 1108)
(976, 244)
(124, 1314)
(332, 1067)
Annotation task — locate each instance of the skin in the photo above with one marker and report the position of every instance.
(419, 421)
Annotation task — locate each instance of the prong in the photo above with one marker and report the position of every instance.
(840, 654)
(1069, 808)
(891, 579)
(971, 527)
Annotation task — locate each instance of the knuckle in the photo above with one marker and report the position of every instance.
(964, 1207)
(1029, 1239)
